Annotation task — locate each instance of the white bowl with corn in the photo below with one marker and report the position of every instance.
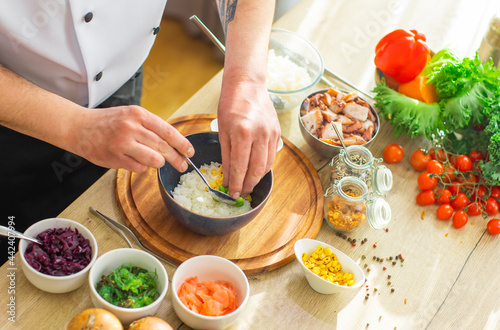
(327, 269)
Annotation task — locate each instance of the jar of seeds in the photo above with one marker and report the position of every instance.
(349, 204)
(358, 161)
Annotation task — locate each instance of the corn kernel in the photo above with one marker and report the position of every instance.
(324, 263)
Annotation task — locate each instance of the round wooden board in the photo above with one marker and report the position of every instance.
(294, 211)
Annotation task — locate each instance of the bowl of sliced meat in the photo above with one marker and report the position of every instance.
(356, 120)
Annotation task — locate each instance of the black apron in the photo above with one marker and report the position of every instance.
(38, 180)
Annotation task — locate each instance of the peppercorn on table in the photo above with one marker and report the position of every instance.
(420, 272)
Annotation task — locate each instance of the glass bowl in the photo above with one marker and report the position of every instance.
(294, 67)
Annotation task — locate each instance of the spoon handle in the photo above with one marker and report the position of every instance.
(5, 231)
(196, 169)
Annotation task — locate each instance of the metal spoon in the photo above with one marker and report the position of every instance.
(339, 135)
(217, 194)
(5, 231)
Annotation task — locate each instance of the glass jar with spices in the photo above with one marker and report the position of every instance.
(358, 161)
(349, 204)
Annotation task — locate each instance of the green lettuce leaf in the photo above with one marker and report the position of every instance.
(407, 115)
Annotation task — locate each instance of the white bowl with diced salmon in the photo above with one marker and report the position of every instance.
(209, 292)
(356, 120)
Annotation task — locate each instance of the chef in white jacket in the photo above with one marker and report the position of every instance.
(70, 80)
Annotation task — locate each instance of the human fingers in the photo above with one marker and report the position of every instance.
(225, 144)
(170, 135)
(257, 167)
(241, 147)
(152, 151)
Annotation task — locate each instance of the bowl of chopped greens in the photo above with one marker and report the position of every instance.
(130, 283)
(61, 263)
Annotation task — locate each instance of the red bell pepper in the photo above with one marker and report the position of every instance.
(402, 54)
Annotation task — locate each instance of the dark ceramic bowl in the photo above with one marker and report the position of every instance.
(325, 149)
(207, 149)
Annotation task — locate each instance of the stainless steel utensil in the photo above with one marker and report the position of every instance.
(222, 48)
(5, 231)
(217, 194)
(121, 229)
(339, 135)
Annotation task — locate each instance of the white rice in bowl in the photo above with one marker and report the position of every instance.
(192, 194)
(285, 75)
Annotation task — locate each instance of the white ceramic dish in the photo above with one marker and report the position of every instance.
(321, 285)
(113, 259)
(49, 283)
(208, 267)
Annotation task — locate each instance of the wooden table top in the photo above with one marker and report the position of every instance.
(449, 277)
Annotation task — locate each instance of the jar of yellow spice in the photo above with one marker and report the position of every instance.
(349, 204)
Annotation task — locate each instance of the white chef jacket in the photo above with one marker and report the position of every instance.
(83, 50)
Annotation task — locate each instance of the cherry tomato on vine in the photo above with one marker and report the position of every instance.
(478, 193)
(491, 207)
(426, 197)
(435, 167)
(426, 181)
(454, 187)
(453, 160)
(464, 163)
(467, 178)
(474, 209)
(460, 201)
(460, 218)
(449, 173)
(443, 196)
(393, 153)
(493, 226)
(444, 212)
(419, 160)
(440, 155)
(476, 155)
(495, 192)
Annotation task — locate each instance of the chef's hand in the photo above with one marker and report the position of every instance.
(128, 137)
(249, 132)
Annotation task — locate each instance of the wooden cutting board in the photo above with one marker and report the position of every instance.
(294, 211)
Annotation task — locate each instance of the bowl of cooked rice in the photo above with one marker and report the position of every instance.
(294, 67)
(188, 200)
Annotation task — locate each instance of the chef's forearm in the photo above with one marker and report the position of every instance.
(31, 110)
(247, 25)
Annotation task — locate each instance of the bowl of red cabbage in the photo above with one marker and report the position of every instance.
(62, 262)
